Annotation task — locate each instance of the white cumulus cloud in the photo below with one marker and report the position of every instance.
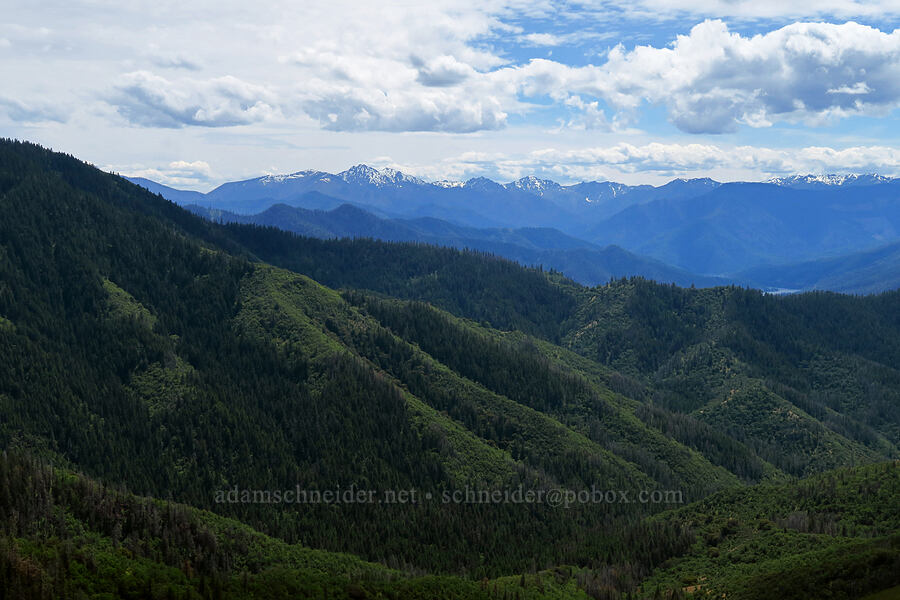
(153, 101)
(713, 80)
(661, 161)
(178, 173)
(280, 78)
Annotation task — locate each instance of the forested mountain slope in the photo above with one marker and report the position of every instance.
(809, 381)
(158, 353)
(804, 540)
(164, 363)
(64, 535)
(814, 374)
(67, 536)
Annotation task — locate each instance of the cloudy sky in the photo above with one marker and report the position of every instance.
(195, 93)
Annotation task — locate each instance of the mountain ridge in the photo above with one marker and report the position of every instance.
(586, 263)
(715, 231)
(741, 225)
(170, 355)
(363, 173)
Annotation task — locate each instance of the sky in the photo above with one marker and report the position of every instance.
(196, 93)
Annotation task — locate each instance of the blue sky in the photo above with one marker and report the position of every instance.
(193, 94)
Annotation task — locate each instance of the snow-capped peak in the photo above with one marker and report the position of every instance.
(697, 181)
(447, 183)
(829, 180)
(366, 175)
(534, 185)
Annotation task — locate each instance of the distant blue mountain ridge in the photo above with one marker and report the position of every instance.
(582, 261)
(688, 231)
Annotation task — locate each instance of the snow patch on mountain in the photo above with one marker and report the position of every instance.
(533, 185)
(366, 175)
(447, 183)
(830, 180)
(697, 181)
(281, 178)
(599, 191)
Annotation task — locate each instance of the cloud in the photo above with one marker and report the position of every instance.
(575, 38)
(175, 62)
(859, 88)
(196, 169)
(543, 39)
(152, 101)
(422, 69)
(441, 71)
(459, 66)
(655, 157)
(32, 111)
(364, 110)
(713, 80)
(754, 9)
(591, 116)
(659, 160)
(279, 78)
(188, 174)
(26, 33)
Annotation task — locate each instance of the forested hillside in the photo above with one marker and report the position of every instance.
(810, 382)
(204, 370)
(815, 374)
(146, 350)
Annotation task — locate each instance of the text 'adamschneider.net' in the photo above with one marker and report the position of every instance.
(555, 497)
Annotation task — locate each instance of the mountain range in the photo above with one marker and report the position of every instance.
(582, 261)
(744, 225)
(477, 202)
(688, 231)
